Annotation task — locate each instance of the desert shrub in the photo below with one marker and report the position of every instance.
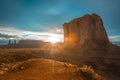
(86, 71)
(89, 74)
(12, 67)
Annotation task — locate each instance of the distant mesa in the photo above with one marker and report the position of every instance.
(30, 43)
(24, 44)
(86, 30)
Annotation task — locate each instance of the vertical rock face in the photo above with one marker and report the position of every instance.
(86, 29)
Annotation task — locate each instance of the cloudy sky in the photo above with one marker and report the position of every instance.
(34, 18)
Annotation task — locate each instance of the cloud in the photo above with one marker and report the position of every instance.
(12, 33)
(55, 30)
(5, 36)
(115, 38)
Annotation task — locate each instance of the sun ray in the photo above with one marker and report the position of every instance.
(53, 39)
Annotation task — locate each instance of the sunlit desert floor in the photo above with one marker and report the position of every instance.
(39, 64)
(46, 69)
(43, 69)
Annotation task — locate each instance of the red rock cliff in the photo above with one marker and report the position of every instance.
(86, 29)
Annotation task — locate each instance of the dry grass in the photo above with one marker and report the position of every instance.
(88, 73)
(13, 67)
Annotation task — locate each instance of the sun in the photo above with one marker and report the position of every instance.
(53, 39)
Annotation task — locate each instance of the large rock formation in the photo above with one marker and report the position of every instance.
(85, 30)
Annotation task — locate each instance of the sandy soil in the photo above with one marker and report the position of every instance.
(43, 69)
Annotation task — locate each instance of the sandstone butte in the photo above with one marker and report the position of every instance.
(88, 29)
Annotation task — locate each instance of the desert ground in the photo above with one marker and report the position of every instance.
(54, 62)
(35, 64)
